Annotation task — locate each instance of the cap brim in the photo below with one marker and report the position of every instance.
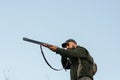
(64, 45)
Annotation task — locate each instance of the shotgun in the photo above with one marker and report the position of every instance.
(41, 43)
(35, 42)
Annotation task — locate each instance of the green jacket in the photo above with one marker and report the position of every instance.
(73, 55)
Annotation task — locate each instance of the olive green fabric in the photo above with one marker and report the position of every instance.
(73, 55)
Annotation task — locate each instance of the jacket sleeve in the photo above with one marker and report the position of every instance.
(76, 53)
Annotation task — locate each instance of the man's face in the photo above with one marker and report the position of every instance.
(71, 45)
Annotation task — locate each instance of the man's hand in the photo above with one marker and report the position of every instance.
(51, 47)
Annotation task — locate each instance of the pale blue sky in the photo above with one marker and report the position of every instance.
(93, 24)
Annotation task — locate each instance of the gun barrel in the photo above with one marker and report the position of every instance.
(33, 41)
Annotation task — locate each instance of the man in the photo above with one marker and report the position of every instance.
(75, 58)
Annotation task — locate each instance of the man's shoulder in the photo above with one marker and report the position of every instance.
(81, 47)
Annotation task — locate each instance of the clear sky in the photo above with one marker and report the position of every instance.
(94, 24)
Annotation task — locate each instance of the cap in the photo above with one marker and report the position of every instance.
(67, 41)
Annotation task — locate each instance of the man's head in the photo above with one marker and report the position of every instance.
(69, 44)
